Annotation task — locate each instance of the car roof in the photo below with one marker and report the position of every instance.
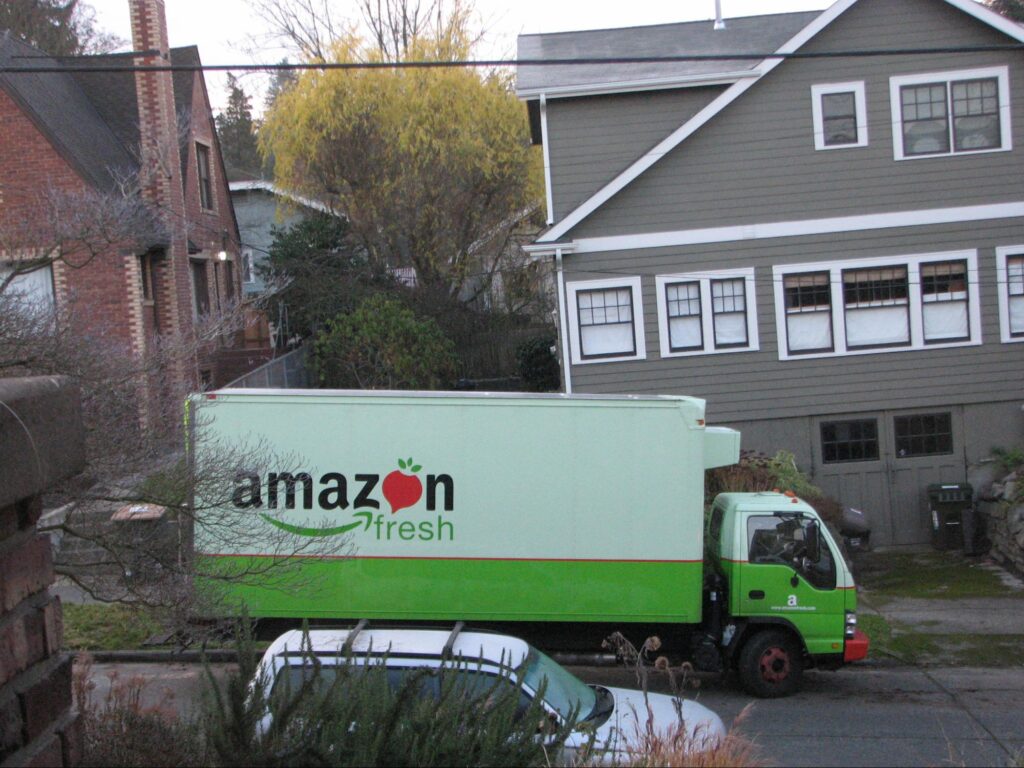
(406, 642)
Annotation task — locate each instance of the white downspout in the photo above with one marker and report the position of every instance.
(563, 323)
(546, 150)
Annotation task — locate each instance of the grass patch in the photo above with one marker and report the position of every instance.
(927, 575)
(100, 627)
(949, 649)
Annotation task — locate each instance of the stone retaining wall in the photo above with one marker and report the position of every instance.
(41, 442)
(1002, 504)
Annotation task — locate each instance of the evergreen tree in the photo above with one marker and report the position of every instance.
(58, 27)
(237, 132)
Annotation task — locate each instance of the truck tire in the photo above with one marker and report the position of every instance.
(770, 665)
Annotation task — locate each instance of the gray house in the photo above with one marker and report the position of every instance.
(829, 248)
(259, 206)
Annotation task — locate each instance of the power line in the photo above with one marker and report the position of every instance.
(82, 64)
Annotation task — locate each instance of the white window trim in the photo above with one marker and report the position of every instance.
(706, 315)
(1002, 76)
(1002, 253)
(860, 105)
(913, 265)
(639, 343)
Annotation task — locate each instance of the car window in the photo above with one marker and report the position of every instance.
(467, 680)
(564, 692)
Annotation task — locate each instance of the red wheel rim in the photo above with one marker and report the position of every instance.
(774, 665)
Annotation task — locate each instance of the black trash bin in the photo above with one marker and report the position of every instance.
(948, 502)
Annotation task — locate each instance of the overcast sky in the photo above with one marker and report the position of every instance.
(224, 30)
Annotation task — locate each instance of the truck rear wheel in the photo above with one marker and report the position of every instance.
(770, 665)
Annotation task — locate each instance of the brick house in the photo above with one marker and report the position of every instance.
(86, 131)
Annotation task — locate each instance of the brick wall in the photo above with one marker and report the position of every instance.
(41, 441)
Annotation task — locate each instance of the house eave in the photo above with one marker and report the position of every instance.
(632, 86)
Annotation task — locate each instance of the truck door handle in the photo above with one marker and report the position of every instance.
(756, 594)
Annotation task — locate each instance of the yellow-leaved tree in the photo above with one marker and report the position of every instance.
(426, 163)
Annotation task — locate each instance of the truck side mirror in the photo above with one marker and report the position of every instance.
(812, 536)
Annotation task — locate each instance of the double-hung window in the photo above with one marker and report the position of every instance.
(840, 115)
(1010, 282)
(944, 302)
(205, 177)
(248, 266)
(877, 305)
(950, 113)
(707, 312)
(808, 299)
(606, 320)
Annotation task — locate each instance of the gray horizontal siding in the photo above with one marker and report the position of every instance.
(756, 162)
(591, 140)
(757, 385)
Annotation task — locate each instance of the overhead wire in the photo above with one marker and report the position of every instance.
(474, 63)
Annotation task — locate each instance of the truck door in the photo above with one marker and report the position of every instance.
(780, 581)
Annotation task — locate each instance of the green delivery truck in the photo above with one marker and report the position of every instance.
(583, 512)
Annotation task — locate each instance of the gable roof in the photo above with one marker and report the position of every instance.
(270, 188)
(91, 117)
(65, 114)
(748, 35)
(733, 92)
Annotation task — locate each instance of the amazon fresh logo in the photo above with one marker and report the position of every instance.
(354, 501)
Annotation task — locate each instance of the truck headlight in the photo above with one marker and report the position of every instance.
(851, 623)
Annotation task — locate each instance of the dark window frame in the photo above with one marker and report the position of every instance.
(913, 429)
(1013, 259)
(905, 299)
(200, 287)
(632, 321)
(950, 117)
(825, 119)
(699, 315)
(953, 117)
(837, 442)
(204, 171)
(714, 314)
(966, 300)
(800, 310)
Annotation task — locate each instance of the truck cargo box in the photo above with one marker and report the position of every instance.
(476, 506)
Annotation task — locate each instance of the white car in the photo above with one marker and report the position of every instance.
(616, 716)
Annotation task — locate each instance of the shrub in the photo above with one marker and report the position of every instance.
(538, 365)
(121, 731)
(349, 715)
(1009, 458)
(750, 474)
(756, 472)
(383, 345)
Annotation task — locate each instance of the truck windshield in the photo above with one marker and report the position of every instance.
(782, 540)
(564, 693)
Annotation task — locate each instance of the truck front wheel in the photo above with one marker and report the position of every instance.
(770, 665)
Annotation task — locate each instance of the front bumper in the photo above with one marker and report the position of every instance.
(856, 648)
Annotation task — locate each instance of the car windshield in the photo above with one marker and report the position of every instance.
(564, 692)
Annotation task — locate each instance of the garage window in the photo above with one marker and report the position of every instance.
(929, 434)
(853, 440)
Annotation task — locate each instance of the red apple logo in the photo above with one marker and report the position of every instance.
(402, 490)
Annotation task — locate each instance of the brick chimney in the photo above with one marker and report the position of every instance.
(160, 159)
(158, 130)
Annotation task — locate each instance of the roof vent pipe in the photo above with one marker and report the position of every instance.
(719, 21)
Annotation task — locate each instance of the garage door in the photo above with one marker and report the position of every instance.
(882, 463)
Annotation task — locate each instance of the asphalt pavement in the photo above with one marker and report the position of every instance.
(871, 714)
